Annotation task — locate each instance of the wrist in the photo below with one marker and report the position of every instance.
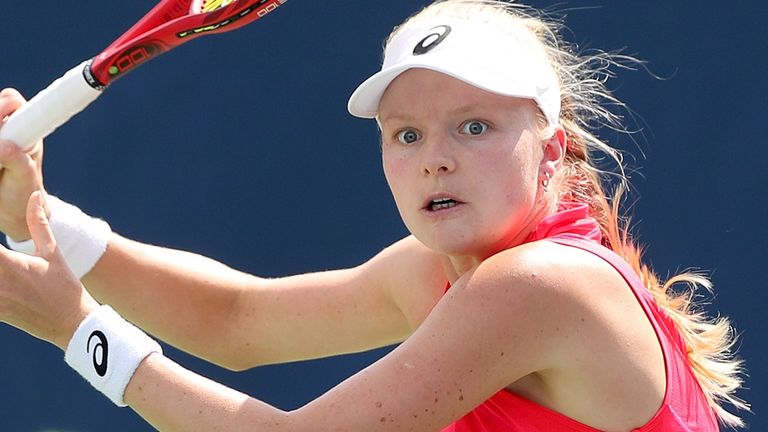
(81, 239)
(106, 350)
(73, 322)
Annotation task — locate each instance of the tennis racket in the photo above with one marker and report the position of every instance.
(169, 24)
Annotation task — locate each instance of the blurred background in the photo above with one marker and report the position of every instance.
(239, 147)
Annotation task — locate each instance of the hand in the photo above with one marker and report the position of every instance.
(39, 294)
(22, 174)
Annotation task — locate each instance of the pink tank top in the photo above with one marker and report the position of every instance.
(684, 408)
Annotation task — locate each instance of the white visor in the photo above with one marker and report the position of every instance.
(505, 60)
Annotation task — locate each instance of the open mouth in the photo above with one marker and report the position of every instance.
(440, 204)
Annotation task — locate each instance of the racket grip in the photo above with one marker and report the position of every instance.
(49, 109)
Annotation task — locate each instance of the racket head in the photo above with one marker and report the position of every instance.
(169, 24)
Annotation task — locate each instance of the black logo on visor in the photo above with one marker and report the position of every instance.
(432, 40)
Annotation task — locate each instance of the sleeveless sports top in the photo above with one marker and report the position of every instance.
(684, 408)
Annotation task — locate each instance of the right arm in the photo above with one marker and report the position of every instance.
(239, 320)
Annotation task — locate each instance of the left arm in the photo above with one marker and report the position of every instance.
(463, 353)
(494, 327)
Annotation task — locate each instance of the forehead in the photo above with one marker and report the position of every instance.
(418, 92)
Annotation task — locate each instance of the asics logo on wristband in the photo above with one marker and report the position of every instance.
(432, 40)
(100, 352)
(114, 349)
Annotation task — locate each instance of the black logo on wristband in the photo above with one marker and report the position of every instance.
(100, 352)
(432, 40)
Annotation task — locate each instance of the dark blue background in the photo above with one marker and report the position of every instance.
(239, 147)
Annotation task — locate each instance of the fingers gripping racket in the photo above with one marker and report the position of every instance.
(169, 24)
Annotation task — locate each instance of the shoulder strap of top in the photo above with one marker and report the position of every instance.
(684, 401)
(662, 324)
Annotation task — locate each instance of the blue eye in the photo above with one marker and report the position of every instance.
(408, 136)
(474, 127)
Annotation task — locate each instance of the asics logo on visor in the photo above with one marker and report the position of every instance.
(432, 40)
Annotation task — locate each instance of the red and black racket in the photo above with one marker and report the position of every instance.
(169, 24)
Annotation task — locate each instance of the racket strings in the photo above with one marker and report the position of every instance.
(212, 5)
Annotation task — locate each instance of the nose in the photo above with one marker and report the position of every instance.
(437, 156)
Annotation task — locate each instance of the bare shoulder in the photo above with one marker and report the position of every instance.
(588, 333)
(550, 270)
(545, 291)
(569, 294)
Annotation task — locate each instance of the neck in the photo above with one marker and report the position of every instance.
(455, 266)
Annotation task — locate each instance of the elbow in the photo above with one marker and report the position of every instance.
(242, 358)
(249, 357)
(234, 367)
(239, 362)
(238, 366)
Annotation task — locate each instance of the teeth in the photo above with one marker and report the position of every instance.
(442, 203)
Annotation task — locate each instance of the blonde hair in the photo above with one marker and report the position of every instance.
(587, 106)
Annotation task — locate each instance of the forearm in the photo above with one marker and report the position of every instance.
(167, 292)
(172, 398)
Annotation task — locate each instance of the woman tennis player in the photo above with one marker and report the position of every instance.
(519, 302)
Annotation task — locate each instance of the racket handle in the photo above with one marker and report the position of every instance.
(49, 109)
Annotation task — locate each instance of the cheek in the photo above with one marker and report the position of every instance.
(512, 176)
(394, 171)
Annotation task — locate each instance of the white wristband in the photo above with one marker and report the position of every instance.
(106, 350)
(82, 239)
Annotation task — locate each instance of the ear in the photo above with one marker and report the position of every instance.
(554, 149)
